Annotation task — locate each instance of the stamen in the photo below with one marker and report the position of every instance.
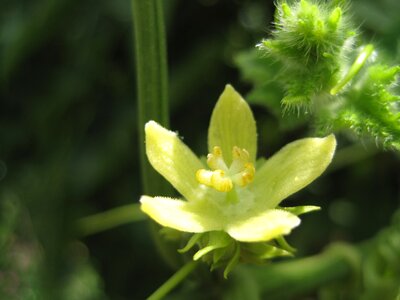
(215, 160)
(246, 176)
(240, 158)
(215, 179)
(240, 154)
(220, 182)
(222, 178)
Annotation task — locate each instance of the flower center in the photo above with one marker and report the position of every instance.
(220, 177)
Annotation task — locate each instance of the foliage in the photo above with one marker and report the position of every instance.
(311, 54)
(69, 153)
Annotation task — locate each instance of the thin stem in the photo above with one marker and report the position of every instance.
(340, 261)
(171, 283)
(110, 219)
(152, 78)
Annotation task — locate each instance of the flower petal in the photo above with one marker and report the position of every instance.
(180, 215)
(266, 226)
(292, 168)
(173, 160)
(232, 124)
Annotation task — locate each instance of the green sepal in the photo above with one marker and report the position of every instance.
(285, 245)
(265, 251)
(192, 241)
(204, 251)
(233, 261)
(299, 210)
(218, 254)
(216, 240)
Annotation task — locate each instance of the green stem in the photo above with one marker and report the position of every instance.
(110, 219)
(171, 283)
(152, 78)
(354, 69)
(340, 261)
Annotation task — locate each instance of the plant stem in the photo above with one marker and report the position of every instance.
(110, 219)
(152, 79)
(338, 262)
(171, 283)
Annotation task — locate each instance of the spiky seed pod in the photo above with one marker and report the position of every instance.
(311, 40)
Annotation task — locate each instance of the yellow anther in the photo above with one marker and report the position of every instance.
(222, 178)
(248, 173)
(240, 154)
(215, 179)
(217, 151)
(236, 152)
(246, 176)
(204, 176)
(215, 159)
(220, 182)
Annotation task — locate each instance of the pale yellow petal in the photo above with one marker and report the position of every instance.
(173, 160)
(265, 226)
(232, 124)
(291, 169)
(180, 215)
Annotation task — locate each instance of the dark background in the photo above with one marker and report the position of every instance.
(69, 138)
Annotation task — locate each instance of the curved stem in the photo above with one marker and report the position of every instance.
(152, 78)
(109, 219)
(171, 283)
(338, 262)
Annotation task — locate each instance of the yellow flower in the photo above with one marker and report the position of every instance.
(231, 199)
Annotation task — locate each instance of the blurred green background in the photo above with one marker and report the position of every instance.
(69, 139)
